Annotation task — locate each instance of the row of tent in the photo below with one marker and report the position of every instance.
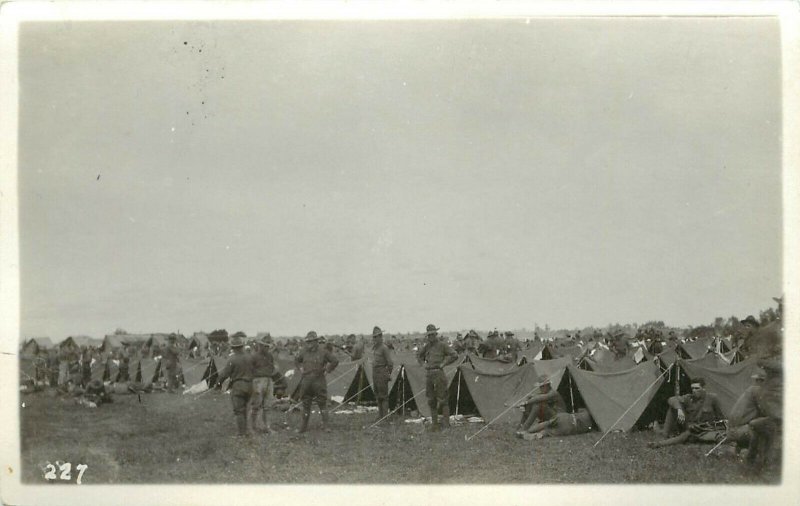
(145, 370)
(616, 399)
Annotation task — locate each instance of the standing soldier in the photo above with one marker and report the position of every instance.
(511, 346)
(381, 371)
(314, 362)
(66, 356)
(240, 370)
(86, 366)
(124, 365)
(263, 370)
(434, 356)
(170, 357)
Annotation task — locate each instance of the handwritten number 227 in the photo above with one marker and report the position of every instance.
(66, 471)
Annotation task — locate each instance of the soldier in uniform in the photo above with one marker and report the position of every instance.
(313, 363)
(381, 371)
(541, 405)
(434, 356)
(698, 416)
(66, 357)
(124, 365)
(170, 357)
(240, 370)
(511, 346)
(263, 370)
(86, 366)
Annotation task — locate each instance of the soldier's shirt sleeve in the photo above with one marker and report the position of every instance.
(225, 373)
(332, 361)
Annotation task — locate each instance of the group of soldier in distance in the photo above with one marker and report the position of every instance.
(252, 379)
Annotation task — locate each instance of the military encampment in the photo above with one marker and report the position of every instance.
(434, 243)
(604, 400)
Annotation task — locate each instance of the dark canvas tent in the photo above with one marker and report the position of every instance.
(408, 388)
(490, 365)
(727, 382)
(732, 356)
(709, 360)
(198, 339)
(553, 350)
(604, 360)
(616, 400)
(194, 370)
(696, 348)
(531, 353)
(493, 393)
(34, 345)
(360, 390)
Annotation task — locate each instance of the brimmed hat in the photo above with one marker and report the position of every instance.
(430, 329)
(311, 336)
(265, 340)
(377, 332)
(750, 320)
(237, 342)
(172, 337)
(509, 333)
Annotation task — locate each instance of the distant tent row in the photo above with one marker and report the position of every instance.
(618, 392)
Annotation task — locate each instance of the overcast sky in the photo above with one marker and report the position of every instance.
(288, 176)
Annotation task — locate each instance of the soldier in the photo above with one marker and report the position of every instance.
(542, 405)
(263, 370)
(472, 341)
(769, 401)
(86, 366)
(314, 362)
(170, 358)
(124, 365)
(381, 371)
(434, 356)
(40, 367)
(740, 428)
(511, 346)
(240, 370)
(66, 356)
(698, 417)
(748, 330)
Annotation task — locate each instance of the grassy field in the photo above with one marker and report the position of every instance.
(187, 439)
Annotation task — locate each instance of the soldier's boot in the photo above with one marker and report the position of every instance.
(304, 424)
(434, 418)
(326, 426)
(241, 425)
(381, 412)
(445, 416)
(265, 422)
(385, 406)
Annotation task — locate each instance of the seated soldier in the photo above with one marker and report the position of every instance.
(743, 413)
(563, 424)
(96, 393)
(769, 400)
(698, 415)
(541, 405)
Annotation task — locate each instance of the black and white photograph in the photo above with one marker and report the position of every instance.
(448, 245)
